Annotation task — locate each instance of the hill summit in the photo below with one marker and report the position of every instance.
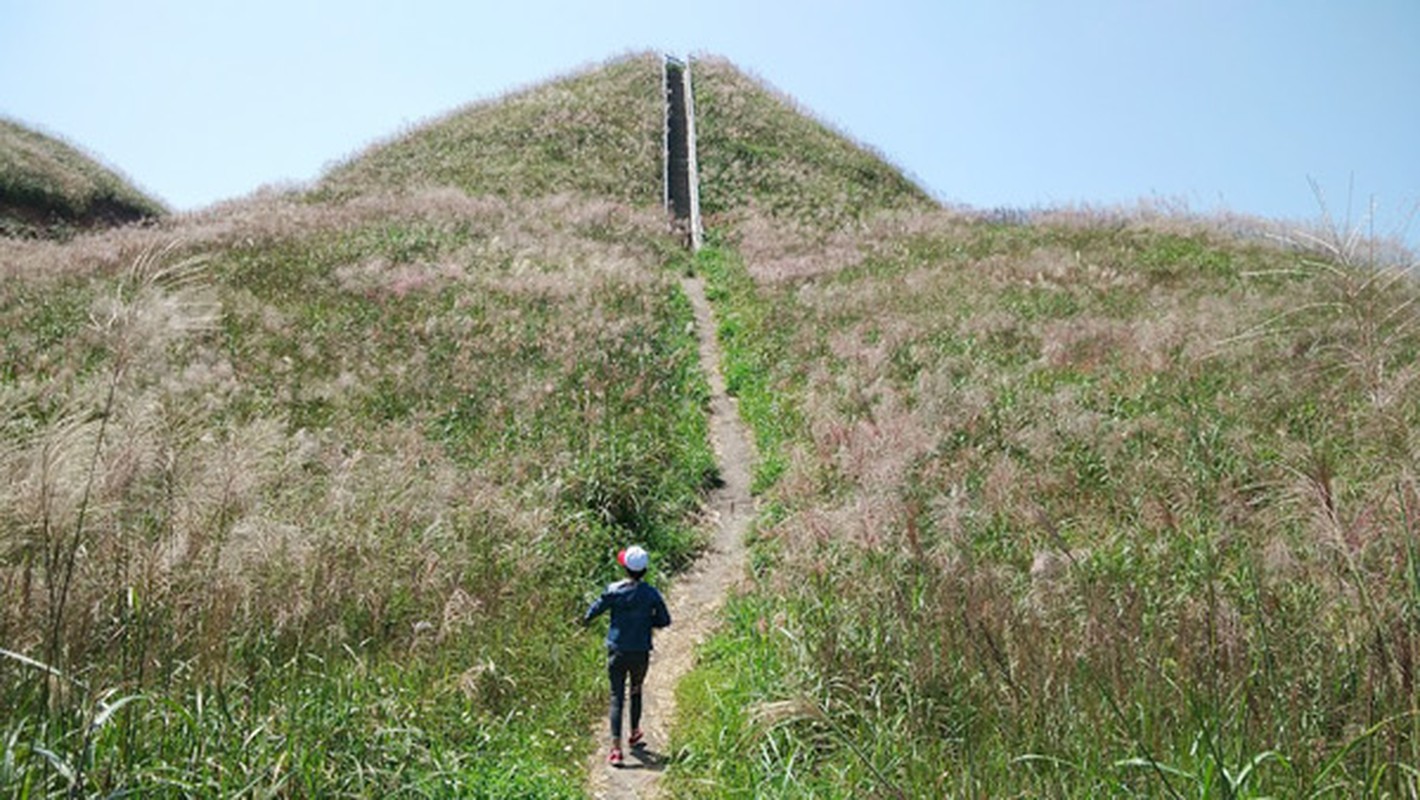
(599, 132)
(595, 132)
(760, 151)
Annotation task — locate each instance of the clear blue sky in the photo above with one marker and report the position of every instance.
(1220, 103)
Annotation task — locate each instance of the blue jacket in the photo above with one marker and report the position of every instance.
(635, 609)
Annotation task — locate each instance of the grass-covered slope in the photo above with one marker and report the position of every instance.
(351, 476)
(597, 132)
(1077, 508)
(49, 188)
(307, 503)
(760, 153)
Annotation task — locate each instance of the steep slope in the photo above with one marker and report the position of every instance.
(760, 153)
(596, 132)
(51, 188)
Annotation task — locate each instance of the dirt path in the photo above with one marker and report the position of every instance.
(697, 595)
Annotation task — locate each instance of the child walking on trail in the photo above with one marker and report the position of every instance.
(636, 608)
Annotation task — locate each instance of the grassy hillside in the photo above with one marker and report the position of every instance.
(49, 188)
(301, 496)
(761, 156)
(1077, 508)
(596, 132)
(308, 503)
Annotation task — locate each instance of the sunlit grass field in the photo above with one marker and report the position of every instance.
(1085, 507)
(304, 496)
(596, 132)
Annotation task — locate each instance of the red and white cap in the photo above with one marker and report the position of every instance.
(634, 559)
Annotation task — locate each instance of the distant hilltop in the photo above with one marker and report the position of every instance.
(52, 189)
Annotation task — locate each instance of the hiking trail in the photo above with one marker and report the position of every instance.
(696, 596)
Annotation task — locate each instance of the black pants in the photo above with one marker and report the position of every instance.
(619, 665)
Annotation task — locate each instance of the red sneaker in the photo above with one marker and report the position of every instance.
(637, 739)
(615, 758)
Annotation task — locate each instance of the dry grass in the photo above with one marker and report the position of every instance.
(236, 501)
(267, 219)
(398, 427)
(759, 153)
(49, 188)
(151, 494)
(354, 474)
(1084, 494)
(595, 132)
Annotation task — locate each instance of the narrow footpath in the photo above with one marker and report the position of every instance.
(697, 594)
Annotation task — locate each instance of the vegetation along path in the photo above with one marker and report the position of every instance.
(697, 595)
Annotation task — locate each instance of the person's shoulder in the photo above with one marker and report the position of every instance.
(619, 586)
